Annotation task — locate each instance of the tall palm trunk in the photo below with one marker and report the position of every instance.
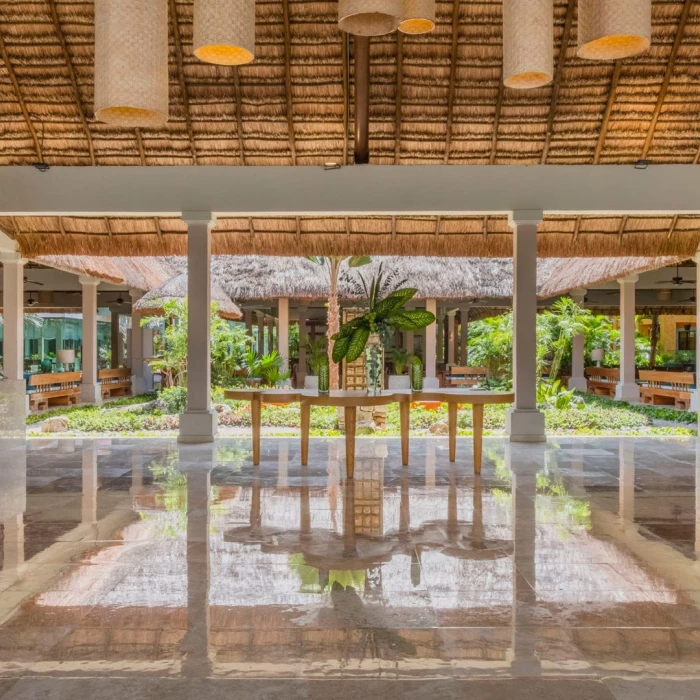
(333, 318)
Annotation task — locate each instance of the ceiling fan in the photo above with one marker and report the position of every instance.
(32, 301)
(677, 280)
(28, 281)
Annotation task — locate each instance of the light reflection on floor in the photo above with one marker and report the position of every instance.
(570, 568)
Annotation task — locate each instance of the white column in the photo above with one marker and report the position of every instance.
(198, 422)
(283, 331)
(524, 422)
(627, 389)
(451, 337)
(464, 334)
(147, 339)
(90, 389)
(138, 382)
(13, 318)
(115, 340)
(301, 366)
(430, 348)
(578, 378)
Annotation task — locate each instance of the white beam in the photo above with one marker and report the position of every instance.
(367, 189)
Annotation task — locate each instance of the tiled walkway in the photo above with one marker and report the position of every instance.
(144, 569)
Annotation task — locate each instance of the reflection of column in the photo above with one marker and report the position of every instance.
(13, 542)
(404, 507)
(136, 473)
(13, 501)
(195, 645)
(256, 505)
(626, 453)
(89, 498)
(452, 514)
(90, 389)
(430, 459)
(305, 504)
(627, 389)
(282, 464)
(349, 532)
(478, 516)
(524, 495)
(578, 380)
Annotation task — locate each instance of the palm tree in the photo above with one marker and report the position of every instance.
(331, 264)
(568, 320)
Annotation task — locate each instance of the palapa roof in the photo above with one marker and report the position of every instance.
(436, 98)
(176, 288)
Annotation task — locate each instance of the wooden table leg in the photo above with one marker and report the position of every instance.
(452, 426)
(305, 427)
(350, 420)
(404, 409)
(255, 406)
(478, 429)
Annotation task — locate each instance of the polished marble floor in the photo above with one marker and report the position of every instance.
(143, 569)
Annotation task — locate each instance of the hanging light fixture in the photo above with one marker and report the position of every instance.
(528, 43)
(613, 29)
(369, 17)
(224, 31)
(417, 16)
(131, 62)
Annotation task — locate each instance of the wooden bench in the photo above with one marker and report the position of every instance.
(115, 382)
(54, 389)
(602, 380)
(666, 388)
(465, 376)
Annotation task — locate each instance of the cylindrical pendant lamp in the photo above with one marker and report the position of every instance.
(369, 17)
(528, 43)
(417, 16)
(131, 62)
(613, 29)
(224, 31)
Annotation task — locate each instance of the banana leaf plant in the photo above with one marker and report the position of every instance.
(382, 317)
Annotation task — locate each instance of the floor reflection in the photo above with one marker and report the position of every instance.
(574, 559)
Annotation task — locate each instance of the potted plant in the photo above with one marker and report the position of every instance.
(385, 312)
(399, 359)
(317, 355)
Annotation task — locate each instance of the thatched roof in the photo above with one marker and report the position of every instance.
(450, 236)
(176, 288)
(435, 98)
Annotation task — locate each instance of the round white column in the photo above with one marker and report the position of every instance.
(524, 422)
(431, 381)
(89, 389)
(627, 389)
(138, 381)
(283, 331)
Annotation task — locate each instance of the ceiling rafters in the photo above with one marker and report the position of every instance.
(393, 227)
(20, 98)
(159, 230)
(108, 222)
(345, 58)
(453, 78)
(73, 80)
(558, 72)
(438, 222)
(61, 226)
(497, 119)
(612, 92)
(139, 145)
(685, 13)
(577, 229)
(175, 28)
(672, 227)
(288, 80)
(239, 114)
(485, 228)
(621, 230)
(399, 96)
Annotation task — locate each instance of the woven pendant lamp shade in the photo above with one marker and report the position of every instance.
(131, 62)
(613, 29)
(528, 43)
(417, 16)
(224, 31)
(369, 17)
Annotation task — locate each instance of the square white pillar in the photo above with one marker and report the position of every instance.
(578, 377)
(627, 389)
(13, 318)
(138, 381)
(524, 422)
(198, 423)
(89, 389)
(431, 348)
(283, 331)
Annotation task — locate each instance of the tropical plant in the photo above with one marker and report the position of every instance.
(331, 265)
(491, 345)
(267, 368)
(399, 358)
(229, 343)
(560, 326)
(317, 351)
(552, 394)
(382, 316)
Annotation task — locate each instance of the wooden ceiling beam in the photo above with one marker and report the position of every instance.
(139, 145)
(175, 28)
(20, 98)
(288, 80)
(685, 13)
(672, 227)
(239, 113)
(453, 79)
(621, 230)
(399, 95)
(73, 80)
(558, 72)
(577, 229)
(608, 111)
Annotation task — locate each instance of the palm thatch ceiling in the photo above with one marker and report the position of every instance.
(436, 98)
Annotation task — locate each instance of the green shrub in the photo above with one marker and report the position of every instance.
(654, 412)
(172, 400)
(34, 418)
(597, 419)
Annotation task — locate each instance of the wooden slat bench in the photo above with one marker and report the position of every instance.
(666, 388)
(602, 380)
(115, 382)
(54, 389)
(465, 376)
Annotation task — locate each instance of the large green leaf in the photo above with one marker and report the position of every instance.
(393, 302)
(340, 348)
(359, 260)
(316, 259)
(347, 329)
(358, 340)
(412, 320)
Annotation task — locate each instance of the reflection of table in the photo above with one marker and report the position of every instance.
(351, 400)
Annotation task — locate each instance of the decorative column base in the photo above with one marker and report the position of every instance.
(578, 383)
(525, 425)
(197, 426)
(627, 392)
(91, 393)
